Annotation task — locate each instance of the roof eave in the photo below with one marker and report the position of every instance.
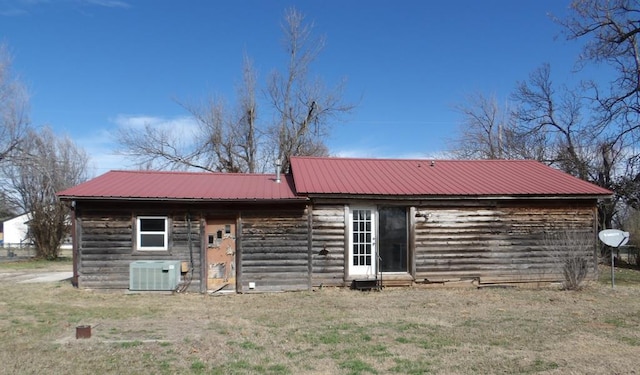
(182, 200)
(458, 197)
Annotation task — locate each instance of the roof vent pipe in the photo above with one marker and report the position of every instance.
(278, 165)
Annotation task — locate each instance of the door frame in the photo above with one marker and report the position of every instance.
(348, 240)
(205, 249)
(407, 241)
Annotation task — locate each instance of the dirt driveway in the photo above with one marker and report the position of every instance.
(34, 277)
(52, 273)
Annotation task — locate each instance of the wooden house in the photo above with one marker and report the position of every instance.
(331, 221)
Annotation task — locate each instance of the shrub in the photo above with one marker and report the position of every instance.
(573, 252)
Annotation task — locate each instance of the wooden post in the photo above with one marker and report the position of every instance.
(239, 253)
(75, 256)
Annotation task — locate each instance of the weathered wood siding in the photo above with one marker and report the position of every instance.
(106, 247)
(292, 247)
(275, 250)
(504, 243)
(328, 231)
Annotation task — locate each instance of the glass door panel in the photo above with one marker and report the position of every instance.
(392, 239)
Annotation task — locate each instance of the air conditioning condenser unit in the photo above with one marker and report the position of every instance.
(154, 275)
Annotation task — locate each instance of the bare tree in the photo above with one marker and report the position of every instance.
(304, 107)
(226, 140)
(586, 131)
(14, 120)
(490, 131)
(46, 165)
(295, 119)
(14, 107)
(543, 124)
(546, 124)
(611, 29)
(630, 222)
(159, 148)
(577, 144)
(556, 117)
(231, 138)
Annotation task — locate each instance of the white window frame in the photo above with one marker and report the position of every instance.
(139, 234)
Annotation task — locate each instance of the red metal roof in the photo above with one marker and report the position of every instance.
(342, 176)
(440, 178)
(183, 185)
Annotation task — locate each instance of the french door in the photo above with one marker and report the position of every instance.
(362, 244)
(378, 241)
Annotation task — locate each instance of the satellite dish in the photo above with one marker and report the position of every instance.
(614, 237)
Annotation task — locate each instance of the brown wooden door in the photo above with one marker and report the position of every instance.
(221, 254)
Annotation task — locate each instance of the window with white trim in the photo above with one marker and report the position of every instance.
(152, 233)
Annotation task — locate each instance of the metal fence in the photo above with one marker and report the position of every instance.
(628, 254)
(16, 251)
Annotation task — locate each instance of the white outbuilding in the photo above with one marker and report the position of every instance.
(16, 231)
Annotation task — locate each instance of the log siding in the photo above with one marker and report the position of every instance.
(328, 245)
(300, 246)
(505, 243)
(106, 240)
(275, 250)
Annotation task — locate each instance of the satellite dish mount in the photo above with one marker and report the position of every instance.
(614, 238)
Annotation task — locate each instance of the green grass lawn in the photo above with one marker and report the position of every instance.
(623, 275)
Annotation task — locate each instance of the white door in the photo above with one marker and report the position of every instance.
(362, 244)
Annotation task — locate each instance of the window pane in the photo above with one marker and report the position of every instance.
(152, 225)
(151, 240)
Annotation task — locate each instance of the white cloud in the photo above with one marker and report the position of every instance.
(373, 153)
(23, 7)
(180, 125)
(102, 146)
(353, 153)
(108, 3)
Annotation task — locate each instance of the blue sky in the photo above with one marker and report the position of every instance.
(94, 66)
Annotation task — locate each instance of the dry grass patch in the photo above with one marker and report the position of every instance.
(331, 331)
